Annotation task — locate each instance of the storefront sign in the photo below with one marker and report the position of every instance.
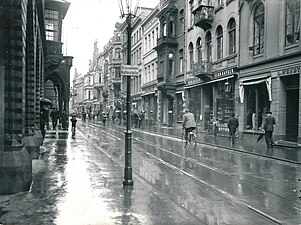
(194, 81)
(290, 71)
(128, 70)
(225, 72)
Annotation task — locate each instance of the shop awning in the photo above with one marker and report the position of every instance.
(209, 82)
(265, 79)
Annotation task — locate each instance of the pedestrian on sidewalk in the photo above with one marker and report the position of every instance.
(73, 123)
(268, 128)
(54, 117)
(215, 126)
(188, 123)
(232, 125)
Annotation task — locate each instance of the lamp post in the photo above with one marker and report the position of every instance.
(127, 10)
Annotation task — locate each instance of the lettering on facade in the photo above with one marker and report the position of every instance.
(290, 71)
(224, 73)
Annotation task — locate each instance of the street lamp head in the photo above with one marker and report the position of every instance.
(128, 7)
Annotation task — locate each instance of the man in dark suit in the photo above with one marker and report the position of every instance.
(188, 123)
(232, 125)
(268, 127)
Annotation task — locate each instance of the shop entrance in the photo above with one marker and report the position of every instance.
(292, 111)
(291, 84)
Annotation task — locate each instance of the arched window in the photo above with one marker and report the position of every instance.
(190, 49)
(219, 42)
(292, 22)
(208, 40)
(258, 29)
(199, 49)
(232, 36)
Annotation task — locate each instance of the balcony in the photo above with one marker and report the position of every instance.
(203, 70)
(116, 61)
(203, 16)
(54, 48)
(98, 85)
(166, 41)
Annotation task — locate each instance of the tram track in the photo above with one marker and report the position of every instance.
(117, 135)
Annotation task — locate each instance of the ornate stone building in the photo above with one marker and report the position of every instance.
(30, 54)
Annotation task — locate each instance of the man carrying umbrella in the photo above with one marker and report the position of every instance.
(268, 127)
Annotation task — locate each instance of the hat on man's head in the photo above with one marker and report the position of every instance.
(268, 112)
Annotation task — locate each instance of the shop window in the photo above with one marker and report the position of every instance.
(179, 106)
(257, 104)
(195, 104)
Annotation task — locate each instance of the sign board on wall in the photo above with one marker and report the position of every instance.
(129, 70)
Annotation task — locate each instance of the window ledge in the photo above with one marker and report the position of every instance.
(256, 132)
(190, 28)
(258, 55)
(286, 47)
(221, 6)
(228, 1)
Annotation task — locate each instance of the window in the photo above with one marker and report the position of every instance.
(117, 53)
(209, 46)
(52, 25)
(182, 21)
(258, 29)
(232, 36)
(219, 42)
(191, 14)
(190, 49)
(199, 49)
(117, 72)
(292, 22)
(181, 61)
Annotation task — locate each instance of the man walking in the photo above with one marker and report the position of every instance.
(54, 117)
(232, 125)
(268, 127)
(188, 123)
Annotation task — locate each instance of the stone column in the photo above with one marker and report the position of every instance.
(15, 161)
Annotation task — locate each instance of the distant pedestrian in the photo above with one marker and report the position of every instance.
(268, 127)
(43, 119)
(73, 123)
(54, 117)
(232, 125)
(104, 118)
(215, 126)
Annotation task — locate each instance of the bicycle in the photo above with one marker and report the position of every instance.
(191, 142)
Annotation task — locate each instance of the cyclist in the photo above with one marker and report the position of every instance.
(188, 123)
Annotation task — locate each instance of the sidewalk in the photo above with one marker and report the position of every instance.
(281, 150)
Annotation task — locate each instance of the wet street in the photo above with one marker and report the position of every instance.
(78, 181)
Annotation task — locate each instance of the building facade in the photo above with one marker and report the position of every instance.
(149, 92)
(269, 67)
(30, 54)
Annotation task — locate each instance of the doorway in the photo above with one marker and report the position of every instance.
(292, 114)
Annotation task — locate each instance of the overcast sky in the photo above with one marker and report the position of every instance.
(87, 21)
